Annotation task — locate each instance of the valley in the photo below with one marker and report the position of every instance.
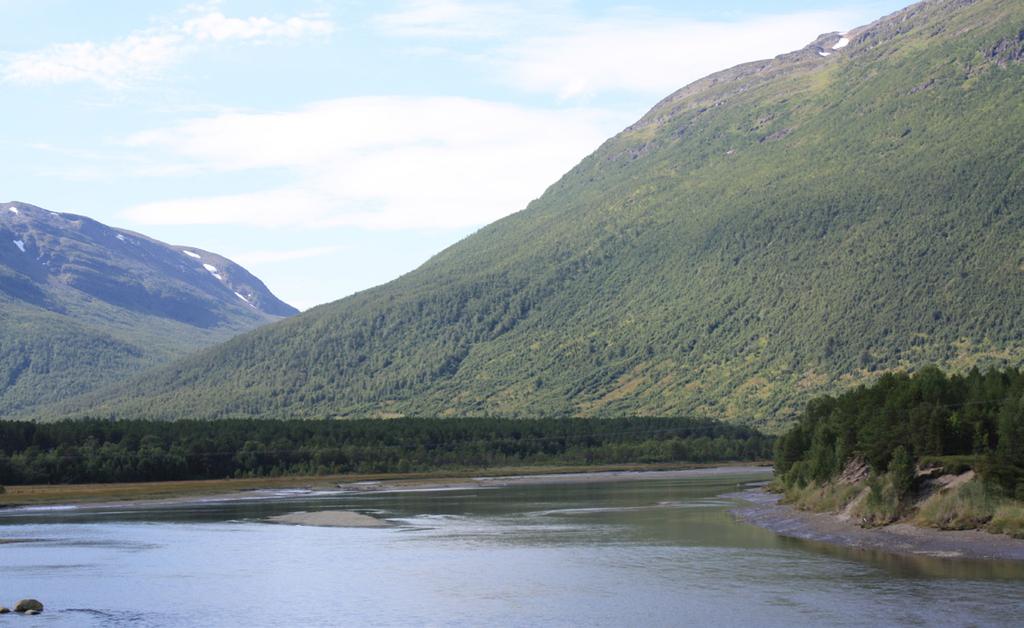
(756, 359)
(85, 305)
(784, 229)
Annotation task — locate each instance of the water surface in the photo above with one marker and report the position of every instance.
(639, 553)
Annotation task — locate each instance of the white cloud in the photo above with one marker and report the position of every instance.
(145, 53)
(264, 257)
(449, 19)
(385, 163)
(554, 48)
(110, 65)
(215, 26)
(638, 55)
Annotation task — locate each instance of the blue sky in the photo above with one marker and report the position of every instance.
(332, 145)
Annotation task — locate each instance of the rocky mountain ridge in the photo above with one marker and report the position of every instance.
(84, 304)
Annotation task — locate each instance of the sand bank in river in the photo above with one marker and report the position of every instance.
(213, 491)
(330, 519)
(764, 510)
(142, 493)
(582, 477)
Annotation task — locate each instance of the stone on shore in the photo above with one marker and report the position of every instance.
(27, 605)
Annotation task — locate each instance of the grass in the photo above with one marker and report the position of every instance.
(969, 507)
(1008, 519)
(42, 494)
(882, 506)
(824, 498)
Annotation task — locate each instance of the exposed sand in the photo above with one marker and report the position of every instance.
(326, 486)
(763, 510)
(330, 519)
(185, 491)
(585, 477)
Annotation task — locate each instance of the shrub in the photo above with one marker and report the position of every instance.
(968, 507)
(901, 468)
(1008, 519)
(824, 498)
(883, 505)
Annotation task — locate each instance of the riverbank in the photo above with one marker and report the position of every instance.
(106, 494)
(764, 510)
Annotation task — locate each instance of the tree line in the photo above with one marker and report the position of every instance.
(96, 450)
(977, 418)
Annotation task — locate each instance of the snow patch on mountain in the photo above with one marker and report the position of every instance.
(247, 301)
(20, 244)
(13, 209)
(213, 271)
(193, 255)
(842, 43)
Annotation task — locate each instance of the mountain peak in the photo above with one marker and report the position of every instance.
(83, 304)
(129, 269)
(238, 280)
(779, 230)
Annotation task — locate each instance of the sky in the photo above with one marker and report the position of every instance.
(332, 145)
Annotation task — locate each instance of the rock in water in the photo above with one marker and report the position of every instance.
(31, 612)
(4, 610)
(24, 606)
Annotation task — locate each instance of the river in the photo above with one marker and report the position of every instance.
(660, 552)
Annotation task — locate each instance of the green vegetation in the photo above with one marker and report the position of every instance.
(967, 508)
(883, 504)
(902, 423)
(902, 418)
(1008, 519)
(824, 498)
(782, 230)
(86, 305)
(140, 451)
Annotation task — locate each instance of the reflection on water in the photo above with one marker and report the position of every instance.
(661, 552)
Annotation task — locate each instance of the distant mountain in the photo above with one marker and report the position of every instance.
(83, 304)
(779, 230)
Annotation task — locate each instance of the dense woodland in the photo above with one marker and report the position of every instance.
(974, 420)
(129, 451)
(760, 238)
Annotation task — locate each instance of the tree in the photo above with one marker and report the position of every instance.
(902, 470)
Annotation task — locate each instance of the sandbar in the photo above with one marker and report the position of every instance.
(330, 519)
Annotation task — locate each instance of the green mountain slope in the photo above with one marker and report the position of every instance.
(779, 230)
(83, 305)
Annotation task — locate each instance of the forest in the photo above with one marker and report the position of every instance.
(765, 236)
(96, 450)
(974, 420)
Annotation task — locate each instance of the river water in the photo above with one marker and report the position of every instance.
(663, 552)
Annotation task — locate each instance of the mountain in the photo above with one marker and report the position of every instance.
(83, 304)
(776, 231)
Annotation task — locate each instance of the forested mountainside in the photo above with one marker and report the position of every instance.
(83, 304)
(776, 231)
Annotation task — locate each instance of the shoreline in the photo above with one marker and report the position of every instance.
(156, 493)
(757, 507)
(764, 511)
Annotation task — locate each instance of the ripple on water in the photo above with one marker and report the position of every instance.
(653, 553)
